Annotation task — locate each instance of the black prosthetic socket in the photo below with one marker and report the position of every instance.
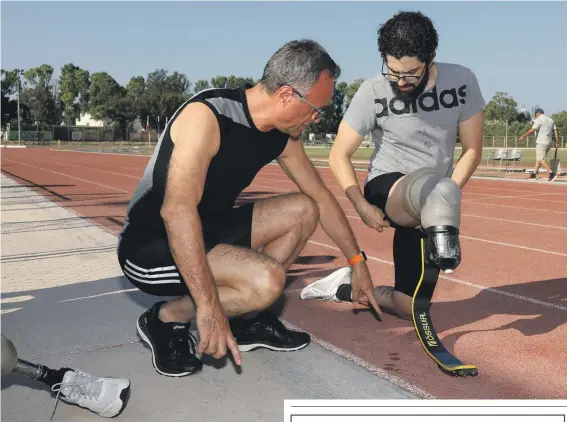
(443, 247)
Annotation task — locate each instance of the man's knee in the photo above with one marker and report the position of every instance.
(306, 211)
(403, 312)
(403, 305)
(268, 285)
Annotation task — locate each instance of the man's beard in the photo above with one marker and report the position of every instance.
(416, 91)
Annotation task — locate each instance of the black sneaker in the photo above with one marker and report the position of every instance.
(552, 177)
(266, 331)
(173, 346)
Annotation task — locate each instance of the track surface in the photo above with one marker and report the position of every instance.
(504, 309)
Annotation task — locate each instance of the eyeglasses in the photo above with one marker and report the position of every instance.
(317, 111)
(412, 79)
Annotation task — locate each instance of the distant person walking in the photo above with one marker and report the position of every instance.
(545, 127)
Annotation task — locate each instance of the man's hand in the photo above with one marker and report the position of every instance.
(215, 334)
(363, 289)
(372, 216)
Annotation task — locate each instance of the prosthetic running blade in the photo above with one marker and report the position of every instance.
(424, 327)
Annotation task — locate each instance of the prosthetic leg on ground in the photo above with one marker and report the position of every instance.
(435, 201)
(105, 396)
(11, 363)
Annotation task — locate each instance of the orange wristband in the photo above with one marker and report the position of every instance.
(357, 258)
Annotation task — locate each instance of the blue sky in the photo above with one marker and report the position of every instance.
(515, 47)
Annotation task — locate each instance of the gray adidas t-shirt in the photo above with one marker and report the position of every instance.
(421, 133)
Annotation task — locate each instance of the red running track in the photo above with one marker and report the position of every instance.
(504, 309)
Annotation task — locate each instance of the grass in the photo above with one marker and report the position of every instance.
(528, 155)
(140, 149)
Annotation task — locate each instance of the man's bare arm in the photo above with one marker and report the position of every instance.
(196, 138)
(300, 169)
(528, 133)
(470, 133)
(345, 145)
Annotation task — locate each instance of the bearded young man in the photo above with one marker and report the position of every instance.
(414, 109)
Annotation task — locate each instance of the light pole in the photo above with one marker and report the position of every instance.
(18, 71)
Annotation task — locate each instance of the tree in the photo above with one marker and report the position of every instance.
(523, 117)
(342, 87)
(353, 88)
(74, 86)
(237, 82)
(136, 97)
(332, 116)
(69, 93)
(9, 103)
(348, 91)
(38, 95)
(334, 112)
(59, 106)
(83, 82)
(501, 107)
(178, 83)
(106, 98)
(219, 82)
(560, 120)
(231, 82)
(201, 85)
(126, 110)
(165, 93)
(243, 81)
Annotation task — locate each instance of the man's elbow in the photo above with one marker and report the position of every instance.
(473, 150)
(172, 210)
(477, 154)
(478, 149)
(337, 156)
(167, 213)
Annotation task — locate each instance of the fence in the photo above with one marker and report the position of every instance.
(513, 142)
(46, 135)
(38, 135)
(327, 140)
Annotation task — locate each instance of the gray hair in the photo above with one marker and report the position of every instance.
(298, 64)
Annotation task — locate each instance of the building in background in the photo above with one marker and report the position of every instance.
(86, 119)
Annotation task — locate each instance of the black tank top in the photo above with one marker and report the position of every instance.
(243, 151)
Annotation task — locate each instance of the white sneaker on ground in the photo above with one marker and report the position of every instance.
(326, 288)
(105, 396)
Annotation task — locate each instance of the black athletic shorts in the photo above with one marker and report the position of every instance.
(376, 191)
(146, 260)
(408, 254)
